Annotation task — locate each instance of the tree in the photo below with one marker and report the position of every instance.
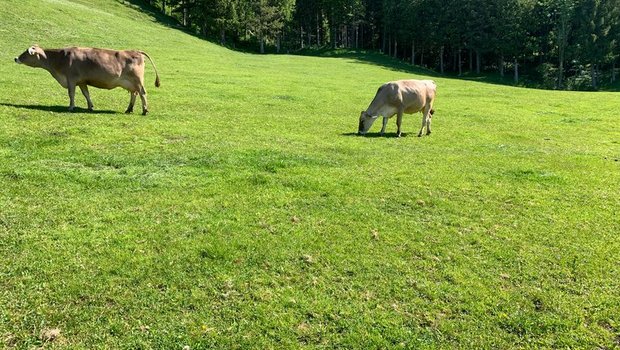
(563, 13)
(269, 18)
(594, 32)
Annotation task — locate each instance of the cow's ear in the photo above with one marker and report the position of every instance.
(32, 50)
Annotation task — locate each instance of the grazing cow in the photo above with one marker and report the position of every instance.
(398, 97)
(101, 68)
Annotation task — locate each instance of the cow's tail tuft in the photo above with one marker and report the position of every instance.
(157, 82)
(432, 111)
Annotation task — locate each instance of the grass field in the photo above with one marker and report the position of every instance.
(243, 212)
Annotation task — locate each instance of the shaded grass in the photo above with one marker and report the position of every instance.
(242, 213)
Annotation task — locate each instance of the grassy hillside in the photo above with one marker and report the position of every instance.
(244, 213)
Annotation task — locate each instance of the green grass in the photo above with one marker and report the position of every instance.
(243, 213)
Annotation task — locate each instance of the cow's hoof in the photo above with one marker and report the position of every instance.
(144, 112)
(129, 111)
(90, 109)
(420, 135)
(398, 135)
(428, 133)
(71, 109)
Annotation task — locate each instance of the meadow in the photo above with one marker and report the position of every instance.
(244, 212)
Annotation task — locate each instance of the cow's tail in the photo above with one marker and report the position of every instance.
(432, 111)
(157, 83)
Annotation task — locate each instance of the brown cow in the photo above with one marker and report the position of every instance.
(101, 68)
(398, 97)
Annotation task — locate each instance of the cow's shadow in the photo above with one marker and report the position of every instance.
(375, 134)
(57, 109)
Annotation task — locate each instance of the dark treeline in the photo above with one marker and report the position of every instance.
(563, 44)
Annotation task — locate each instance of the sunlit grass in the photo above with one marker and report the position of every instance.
(243, 212)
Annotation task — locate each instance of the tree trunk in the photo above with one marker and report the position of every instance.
(262, 44)
(460, 63)
(453, 67)
(477, 62)
(501, 66)
(471, 61)
(613, 71)
(516, 77)
(348, 36)
(357, 35)
(278, 44)
(561, 67)
(318, 31)
(301, 36)
(562, 38)
(333, 38)
(395, 49)
(383, 48)
(222, 36)
(184, 4)
(389, 45)
(422, 59)
(441, 60)
(372, 35)
(593, 74)
(362, 37)
(413, 52)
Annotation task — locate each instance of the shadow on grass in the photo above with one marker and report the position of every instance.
(369, 57)
(152, 11)
(375, 134)
(168, 21)
(57, 109)
(375, 58)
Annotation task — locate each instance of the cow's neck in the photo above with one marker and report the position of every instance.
(372, 112)
(54, 55)
(375, 107)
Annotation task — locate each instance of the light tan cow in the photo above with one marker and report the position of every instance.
(398, 97)
(101, 68)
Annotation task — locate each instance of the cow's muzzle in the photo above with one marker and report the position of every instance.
(17, 60)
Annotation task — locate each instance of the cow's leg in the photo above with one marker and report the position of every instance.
(385, 121)
(427, 117)
(71, 90)
(132, 101)
(423, 124)
(428, 124)
(399, 120)
(84, 89)
(145, 108)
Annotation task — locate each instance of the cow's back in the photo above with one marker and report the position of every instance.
(416, 94)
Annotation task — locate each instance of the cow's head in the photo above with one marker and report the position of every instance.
(31, 57)
(366, 121)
